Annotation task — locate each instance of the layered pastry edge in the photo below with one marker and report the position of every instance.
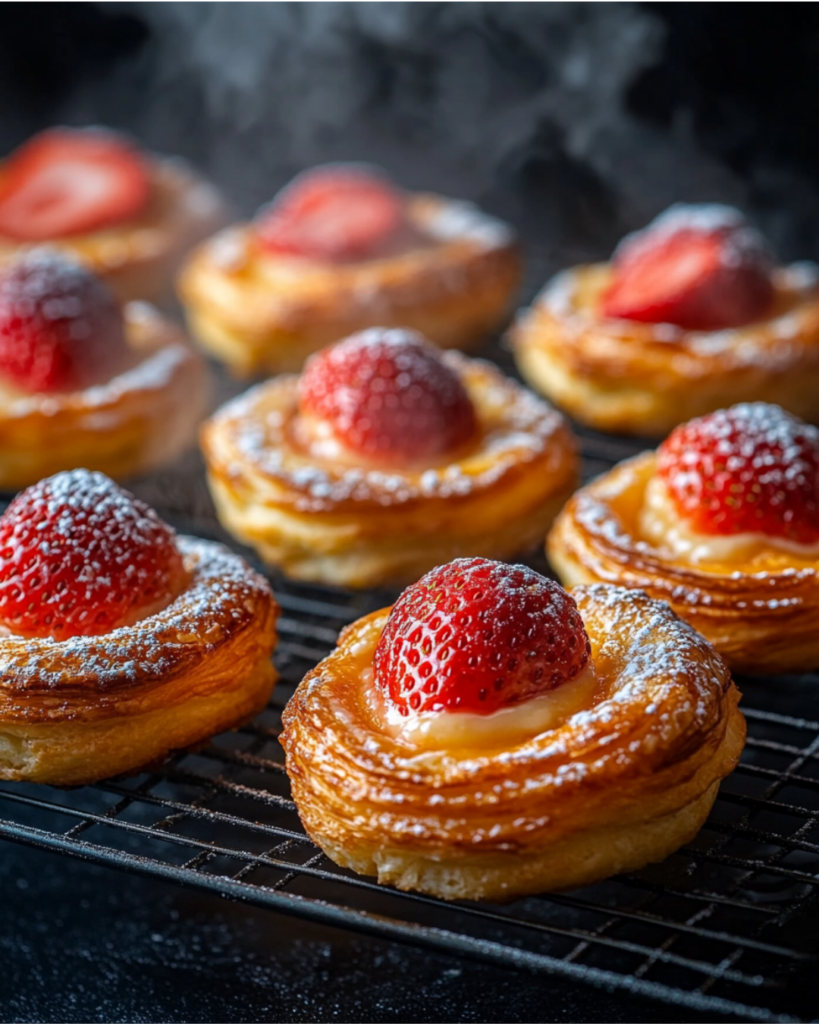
(361, 527)
(618, 785)
(78, 710)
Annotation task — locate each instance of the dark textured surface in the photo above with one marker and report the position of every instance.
(80, 943)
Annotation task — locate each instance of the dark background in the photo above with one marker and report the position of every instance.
(575, 121)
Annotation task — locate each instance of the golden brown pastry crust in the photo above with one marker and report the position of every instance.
(139, 420)
(614, 787)
(139, 257)
(353, 527)
(80, 710)
(761, 615)
(260, 312)
(644, 379)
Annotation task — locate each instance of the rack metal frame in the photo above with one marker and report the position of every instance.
(722, 927)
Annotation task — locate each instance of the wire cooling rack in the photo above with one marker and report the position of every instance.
(726, 926)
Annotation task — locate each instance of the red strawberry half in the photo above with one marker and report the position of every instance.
(79, 556)
(68, 182)
(700, 267)
(340, 212)
(61, 328)
(478, 636)
(752, 468)
(388, 395)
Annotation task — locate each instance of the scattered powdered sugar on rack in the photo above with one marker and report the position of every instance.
(220, 599)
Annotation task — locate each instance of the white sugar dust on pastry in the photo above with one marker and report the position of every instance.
(620, 772)
(691, 314)
(84, 381)
(341, 249)
(120, 641)
(723, 522)
(385, 458)
(129, 216)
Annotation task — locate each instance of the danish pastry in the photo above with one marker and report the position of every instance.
(384, 459)
(83, 382)
(128, 216)
(120, 641)
(340, 250)
(722, 522)
(690, 316)
(492, 736)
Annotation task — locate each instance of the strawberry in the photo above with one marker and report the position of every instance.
(61, 328)
(388, 395)
(339, 212)
(70, 181)
(79, 556)
(752, 468)
(479, 636)
(700, 267)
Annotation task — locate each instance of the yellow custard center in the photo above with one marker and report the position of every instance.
(447, 730)
(663, 527)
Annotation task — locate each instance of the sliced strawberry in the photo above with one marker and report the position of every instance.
(478, 636)
(61, 328)
(79, 556)
(388, 395)
(700, 267)
(752, 468)
(332, 213)
(68, 182)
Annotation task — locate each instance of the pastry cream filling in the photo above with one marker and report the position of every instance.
(661, 524)
(317, 439)
(442, 730)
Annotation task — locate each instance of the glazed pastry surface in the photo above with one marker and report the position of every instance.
(83, 709)
(757, 603)
(140, 419)
(264, 312)
(644, 379)
(321, 520)
(608, 789)
(139, 257)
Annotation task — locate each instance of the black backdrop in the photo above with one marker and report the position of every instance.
(577, 121)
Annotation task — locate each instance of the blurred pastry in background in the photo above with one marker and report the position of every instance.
(93, 194)
(691, 315)
(723, 523)
(341, 249)
(386, 458)
(85, 381)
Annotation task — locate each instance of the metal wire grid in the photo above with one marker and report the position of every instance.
(723, 926)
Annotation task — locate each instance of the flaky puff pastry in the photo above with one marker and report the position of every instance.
(644, 379)
(139, 257)
(761, 612)
(137, 421)
(616, 786)
(79, 710)
(323, 521)
(260, 311)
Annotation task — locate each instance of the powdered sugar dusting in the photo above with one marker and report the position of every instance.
(454, 219)
(522, 428)
(750, 466)
(742, 243)
(220, 599)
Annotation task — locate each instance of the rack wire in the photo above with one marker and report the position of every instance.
(724, 926)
